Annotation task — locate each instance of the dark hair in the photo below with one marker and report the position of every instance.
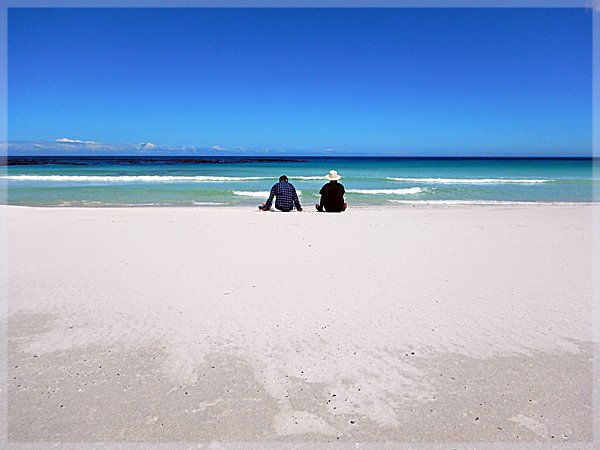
(283, 178)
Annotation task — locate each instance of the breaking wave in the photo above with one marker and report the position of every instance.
(129, 178)
(407, 191)
(262, 194)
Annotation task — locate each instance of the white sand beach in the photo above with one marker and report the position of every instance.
(392, 325)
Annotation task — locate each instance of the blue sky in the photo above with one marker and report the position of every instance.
(406, 82)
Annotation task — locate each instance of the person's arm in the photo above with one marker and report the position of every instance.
(321, 204)
(296, 199)
(269, 201)
(322, 192)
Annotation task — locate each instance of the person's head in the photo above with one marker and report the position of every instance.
(333, 176)
(283, 178)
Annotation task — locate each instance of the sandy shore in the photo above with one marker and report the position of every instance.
(406, 325)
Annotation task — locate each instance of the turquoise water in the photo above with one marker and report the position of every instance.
(141, 181)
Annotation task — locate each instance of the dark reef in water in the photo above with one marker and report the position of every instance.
(142, 160)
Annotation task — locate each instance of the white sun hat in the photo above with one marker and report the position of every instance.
(333, 176)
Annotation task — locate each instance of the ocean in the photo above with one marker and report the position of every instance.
(238, 181)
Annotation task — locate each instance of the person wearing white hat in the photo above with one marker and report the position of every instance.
(332, 194)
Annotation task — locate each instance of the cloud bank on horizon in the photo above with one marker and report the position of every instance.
(77, 147)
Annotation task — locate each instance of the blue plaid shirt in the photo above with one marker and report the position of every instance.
(286, 197)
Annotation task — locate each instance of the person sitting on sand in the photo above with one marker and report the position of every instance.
(286, 197)
(332, 195)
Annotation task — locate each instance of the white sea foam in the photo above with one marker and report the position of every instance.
(209, 203)
(128, 178)
(470, 180)
(263, 194)
(292, 177)
(461, 202)
(407, 191)
(145, 178)
(211, 178)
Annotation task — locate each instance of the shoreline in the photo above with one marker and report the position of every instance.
(393, 204)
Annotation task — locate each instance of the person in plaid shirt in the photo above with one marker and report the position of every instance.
(285, 194)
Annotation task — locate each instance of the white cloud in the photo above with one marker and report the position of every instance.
(74, 141)
(147, 146)
(218, 147)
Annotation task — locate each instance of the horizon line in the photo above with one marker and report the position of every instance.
(279, 157)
